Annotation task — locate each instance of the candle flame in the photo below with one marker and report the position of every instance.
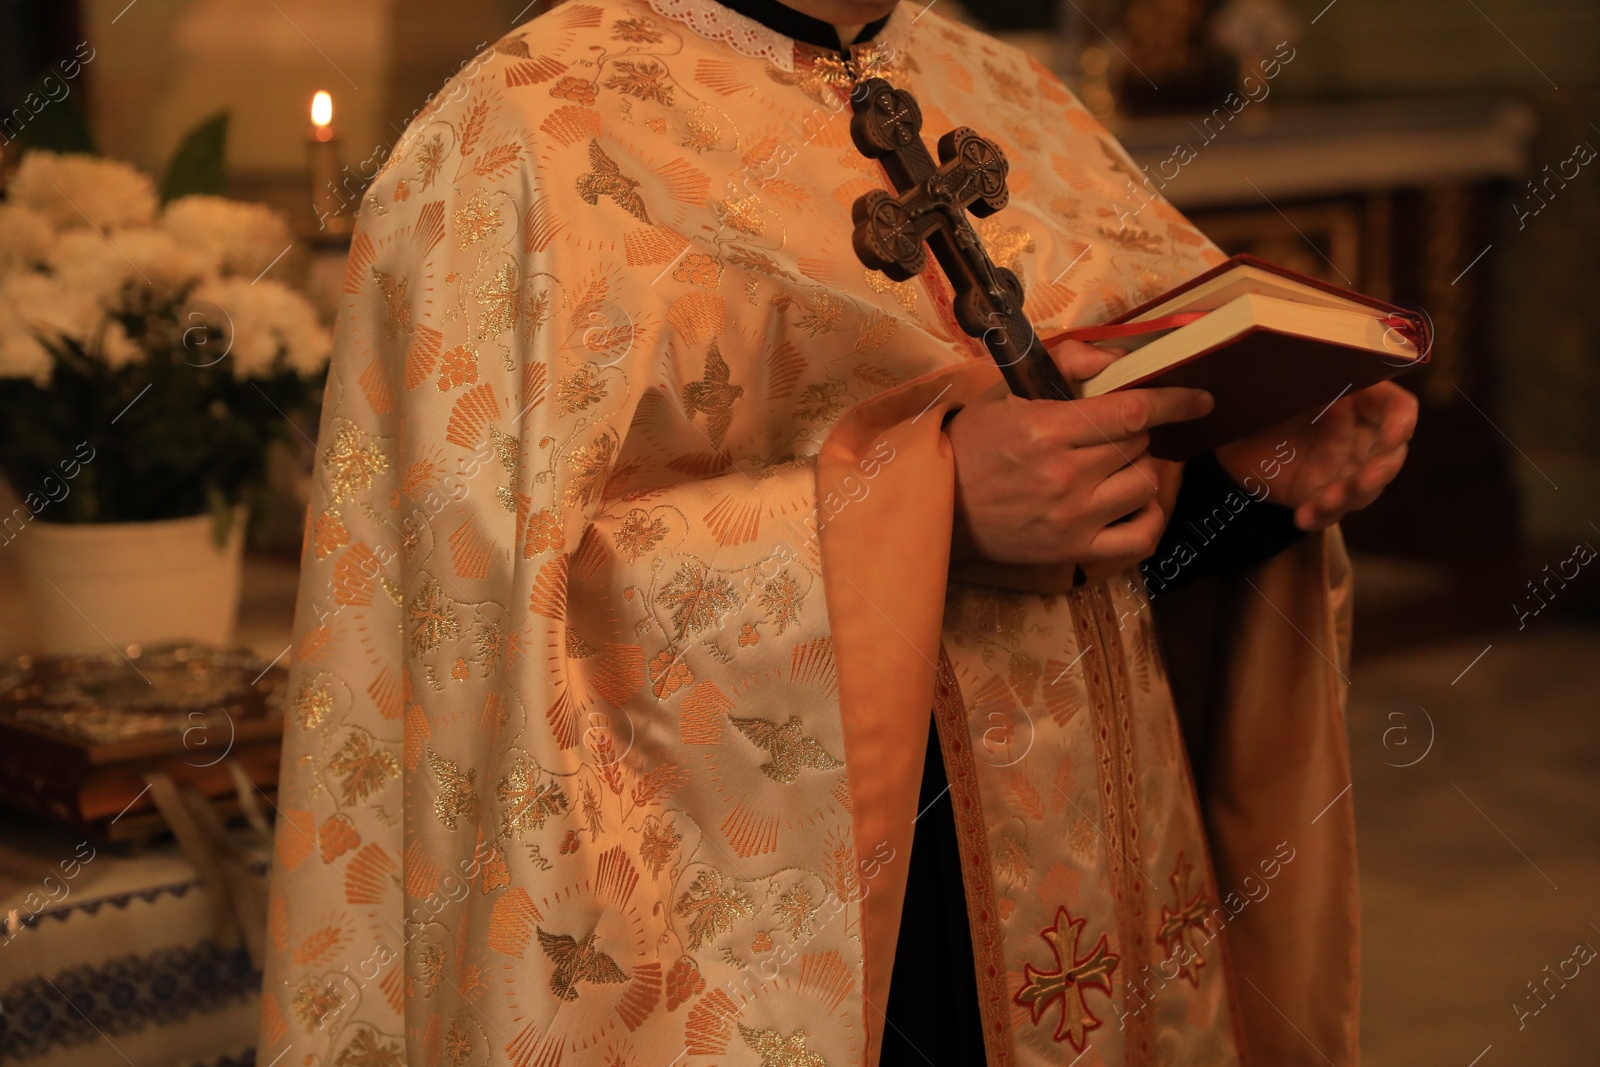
(321, 108)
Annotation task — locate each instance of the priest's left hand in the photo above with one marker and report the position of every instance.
(1342, 458)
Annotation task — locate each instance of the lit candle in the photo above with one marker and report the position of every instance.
(328, 198)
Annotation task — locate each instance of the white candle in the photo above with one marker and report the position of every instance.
(328, 198)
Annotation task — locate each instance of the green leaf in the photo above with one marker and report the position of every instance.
(197, 165)
(221, 510)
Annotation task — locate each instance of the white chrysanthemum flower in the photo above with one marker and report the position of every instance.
(265, 322)
(25, 236)
(89, 264)
(114, 268)
(79, 190)
(163, 260)
(244, 238)
(52, 309)
(22, 354)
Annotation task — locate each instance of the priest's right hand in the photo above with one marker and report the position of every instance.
(1047, 481)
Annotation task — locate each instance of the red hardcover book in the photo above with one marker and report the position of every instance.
(1267, 342)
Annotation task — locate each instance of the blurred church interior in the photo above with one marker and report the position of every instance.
(1404, 148)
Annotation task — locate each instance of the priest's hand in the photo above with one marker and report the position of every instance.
(1342, 457)
(1046, 481)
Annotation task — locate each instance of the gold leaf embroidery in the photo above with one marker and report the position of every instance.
(457, 795)
(587, 467)
(701, 135)
(364, 768)
(998, 613)
(497, 302)
(430, 964)
(1011, 859)
(697, 598)
(823, 401)
(526, 803)
(638, 533)
(316, 1000)
(807, 78)
(477, 219)
(432, 618)
(905, 292)
(1005, 243)
(350, 464)
(795, 910)
(781, 600)
(580, 389)
(509, 451)
(657, 844)
(714, 904)
(823, 315)
(368, 1050)
(490, 645)
(457, 1045)
(429, 159)
(1008, 85)
(740, 213)
(396, 305)
(535, 312)
(312, 705)
(756, 260)
(644, 79)
(636, 31)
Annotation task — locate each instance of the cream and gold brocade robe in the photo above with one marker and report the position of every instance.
(625, 603)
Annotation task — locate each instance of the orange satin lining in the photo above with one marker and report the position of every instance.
(1281, 750)
(885, 559)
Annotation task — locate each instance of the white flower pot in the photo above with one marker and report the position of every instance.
(125, 583)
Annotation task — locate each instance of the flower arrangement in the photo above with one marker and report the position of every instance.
(146, 338)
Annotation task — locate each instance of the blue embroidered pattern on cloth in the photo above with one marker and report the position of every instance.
(120, 996)
(120, 901)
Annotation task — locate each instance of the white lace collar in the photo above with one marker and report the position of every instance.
(745, 35)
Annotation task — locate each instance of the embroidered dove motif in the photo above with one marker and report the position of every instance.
(577, 961)
(791, 749)
(606, 179)
(714, 396)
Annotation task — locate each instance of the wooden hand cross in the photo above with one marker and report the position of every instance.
(932, 208)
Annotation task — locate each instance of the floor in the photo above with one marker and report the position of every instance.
(1477, 792)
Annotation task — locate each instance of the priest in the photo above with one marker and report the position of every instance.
(701, 658)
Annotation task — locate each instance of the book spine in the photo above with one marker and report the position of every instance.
(40, 775)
